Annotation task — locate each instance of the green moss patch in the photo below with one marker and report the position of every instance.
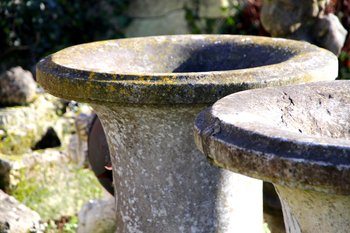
(54, 189)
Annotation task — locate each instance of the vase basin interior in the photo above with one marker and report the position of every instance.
(174, 55)
(180, 68)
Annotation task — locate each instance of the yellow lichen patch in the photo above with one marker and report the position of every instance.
(123, 92)
(144, 78)
(148, 78)
(142, 69)
(91, 75)
(111, 88)
(141, 78)
(167, 80)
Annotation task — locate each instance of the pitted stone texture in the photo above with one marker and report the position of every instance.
(17, 87)
(163, 184)
(16, 217)
(311, 211)
(180, 69)
(97, 216)
(296, 137)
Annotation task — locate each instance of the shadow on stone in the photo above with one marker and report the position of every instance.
(49, 140)
(99, 155)
(231, 56)
(273, 214)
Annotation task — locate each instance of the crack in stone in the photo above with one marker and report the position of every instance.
(289, 98)
(207, 133)
(287, 118)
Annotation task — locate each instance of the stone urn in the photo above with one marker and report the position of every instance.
(296, 137)
(147, 92)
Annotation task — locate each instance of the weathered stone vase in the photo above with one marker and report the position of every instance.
(147, 92)
(296, 137)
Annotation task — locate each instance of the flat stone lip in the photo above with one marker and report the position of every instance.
(61, 75)
(235, 137)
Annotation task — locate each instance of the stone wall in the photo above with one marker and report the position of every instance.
(157, 17)
(36, 166)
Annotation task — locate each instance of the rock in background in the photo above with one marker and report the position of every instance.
(49, 182)
(304, 20)
(16, 217)
(21, 127)
(78, 142)
(98, 216)
(36, 167)
(17, 87)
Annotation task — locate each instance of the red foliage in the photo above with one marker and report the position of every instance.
(341, 8)
(61, 222)
(251, 16)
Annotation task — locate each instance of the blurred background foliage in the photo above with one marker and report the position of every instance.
(31, 29)
(241, 19)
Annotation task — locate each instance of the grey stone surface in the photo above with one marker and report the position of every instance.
(22, 127)
(170, 24)
(50, 183)
(17, 87)
(283, 17)
(163, 184)
(310, 211)
(304, 20)
(47, 180)
(16, 217)
(330, 33)
(97, 216)
(296, 137)
(78, 142)
(147, 104)
(180, 69)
